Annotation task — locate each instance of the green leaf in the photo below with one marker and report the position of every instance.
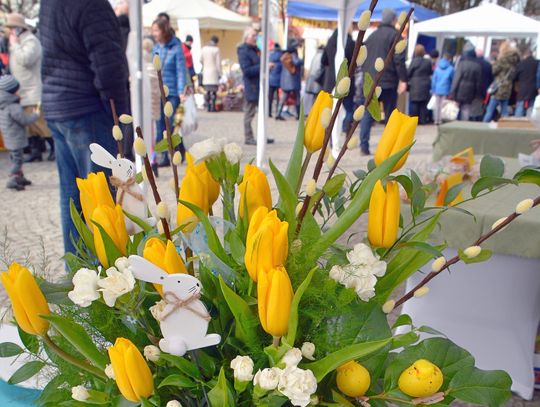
(418, 201)
(491, 166)
(163, 145)
(483, 387)
(111, 250)
(373, 108)
(294, 167)
(453, 193)
(97, 397)
(422, 246)
(338, 398)
(293, 317)
(184, 365)
(343, 72)
(139, 178)
(403, 319)
(56, 293)
(332, 361)
(79, 338)
(26, 371)
(287, 197)
(530, 175)
(489, 183)
(177, 380)
(139, 222)
(9, 349)
(406, 183)
(334, 184)
(221, 395)
(85, 234)
(30, 342)
(404, 340)
(484, 255)
(236, 246)
(429, 330)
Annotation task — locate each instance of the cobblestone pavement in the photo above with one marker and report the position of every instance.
(30, 220)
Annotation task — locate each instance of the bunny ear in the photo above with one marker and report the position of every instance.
(143, 270)
(100, 156)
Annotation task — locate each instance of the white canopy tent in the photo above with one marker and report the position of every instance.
(488, 20)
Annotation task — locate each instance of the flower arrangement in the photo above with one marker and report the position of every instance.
(261, 305)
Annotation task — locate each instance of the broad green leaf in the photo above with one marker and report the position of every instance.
(404, 340)
(293, 317)
(403, 319)
(418, 201)
(406, 183)
(221, 395)
(338, 398)
(294, 167)
(79, 338)
(97, 398)
(491, 166)
(287, 197)
(26, 371)
(334, 184)
(82, 228)
(56, 293)
(429, 330)
(163, 145)
(373, 108)
(422, 246)
(530, 175)
(139, 178)
(111, 250)
(9, 349)
(30, 342)
(453, 193)
(484, 255)
(139, 222)
(236, 246)
(177, 381)
(489, 183)
(483, 387)
(184, 365)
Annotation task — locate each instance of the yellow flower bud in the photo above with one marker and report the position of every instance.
(330, 160)
(438, 264)
(117, 133)
(388, 306)
(378, 91)
(254, 191)
(421, 379)
(311, 187)
(133, 376)
(359, 113)
(401, 46)
(343, 86)
(125, 119)
(472, 251)
(165, 257)
(93, 191)
(314, 130)
(363, 21)
(383, 219)
(172, 186)
(162, 210)
(27, 299)
(298, 208)
(177, 158)
(401, 18)
(165, 134)
(275, 294)
(353, 142)
(498, 222)
(353, 379)
(397, 134)
(421, 292)
(524, 206)
(168, 109)
(112, 222)
(212, 186)
(195, 191)
(166, 90)
(157, 62)
(379, 65)
(326, 116)
(139, 147)
(362, 55)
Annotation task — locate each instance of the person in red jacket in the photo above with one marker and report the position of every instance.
(186, 45)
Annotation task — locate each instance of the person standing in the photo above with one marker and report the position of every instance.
(186, 47)
(477, 106)
(526, 81)
(173, 69)
(274, 80)
(25, 65)
(313, 87)
(441, 83)
(394, 79)
(466, 85)
(419, 75)
(291, 78)
(84, 66)
(211, 71)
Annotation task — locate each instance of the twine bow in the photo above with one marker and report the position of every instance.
(123, 187)
(177, 303)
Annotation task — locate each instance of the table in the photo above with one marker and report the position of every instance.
(456, 136)
(492, 309)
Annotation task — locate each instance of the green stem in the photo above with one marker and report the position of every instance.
(275, 341)
(385, 397)
(250, 287)
(72, 359)
(303, 171)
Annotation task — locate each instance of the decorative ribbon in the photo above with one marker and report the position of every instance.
(123, 187)
(177, 303)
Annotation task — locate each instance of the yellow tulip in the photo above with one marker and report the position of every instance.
(112, 222)
(27, 300)
(254, 191)
(397, 134)
(164, 256)
(383, 220)
(93, 191)
(314, 130)
(194, 191)
(267, 242)
(211, 184)
(275, 294)
(132, 374)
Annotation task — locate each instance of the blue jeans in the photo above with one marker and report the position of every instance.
(492, 106)
(72, 138)
(521, 111)
(389, 99)
(160, 125)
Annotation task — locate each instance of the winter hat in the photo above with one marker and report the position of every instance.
(8, 83)
(388, 16)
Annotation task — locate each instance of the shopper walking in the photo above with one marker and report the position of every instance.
(274, 77)
(211, 71)
(291, 79)
(466, 85)
(441, 83)
(419, 75)
(525, 78)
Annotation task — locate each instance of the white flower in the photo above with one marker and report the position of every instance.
(388, 306)
(292, 357)
(308, 349)
(297, 385)
(116, 284)
(157, 309)
(359, 113)
(243, 368)
(151, 353)
(400, 46)
(173, 403)
(117, 133)
(311, 187)
(85, 287)
(421, 292)
(206, 149)
(109, 372)
(233, 152)
(524, 206)
(343, 86)
(121, 263)
(326, 116)
(363, 21)
(379, 64)
(79, 393)
(139, 146)
(336, 273)
(268, 378)
(438, 264)
(472, 251)
(125, 119)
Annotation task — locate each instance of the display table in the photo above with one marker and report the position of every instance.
(492, 309)
(456, 136)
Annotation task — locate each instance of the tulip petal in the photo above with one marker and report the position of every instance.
(8, 280)
(173, 261)
(404, 138)
(391, 214)
(254, 191)
(278, 300)
(193, 190)
(117, 355)
(389, 136)
(139, 373)
(376, 215)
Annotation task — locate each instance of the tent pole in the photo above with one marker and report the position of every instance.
(263, 88)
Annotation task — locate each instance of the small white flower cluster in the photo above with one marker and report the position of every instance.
(298, 385)
(211, 147)
(87, 284)
(361, 273)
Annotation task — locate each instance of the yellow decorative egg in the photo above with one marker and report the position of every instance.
(353, 379)
(421, 379)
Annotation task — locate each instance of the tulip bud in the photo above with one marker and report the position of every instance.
(164, 256)
(400, 46)
(362, 55)
(79, 393)
(117, 133)
(472, 251)
(497, 223)
(363, 21)
(343, 86)
(275, 294)
(388, 306)
(157, 62)
(383, 219)
(254, 191)
(177, 158)
(402, 17)
(168, 109)
(112, 222)
(317, 122)
(162, 210)
(212, 186)
(166, 90)
(194, 190)
(359, 113)
(93, 191)
(421, 292)
(379, 64)
(151, 353)
(109, 372)
(353, 142)
(326, 116)
(311, 187)
(139, 147)
(378, 91)
(524, 206)
(438, 264)
(125, 119)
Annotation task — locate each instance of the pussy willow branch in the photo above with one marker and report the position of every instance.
(169, 134)
(116, 123)
(328, 132)
(354, 125)
(455, 259)
(153, 186)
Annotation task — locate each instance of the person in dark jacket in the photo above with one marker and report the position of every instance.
(477, 106)
(526, 81)
(186, 47)
(121, 9)
(419, 75)
(466, 83)
(394, 79)
(441, 82)
(291, 78)
(84, 66)
(274, 80)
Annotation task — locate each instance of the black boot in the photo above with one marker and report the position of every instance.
(182, 150)
(51, 156)
(35, 151)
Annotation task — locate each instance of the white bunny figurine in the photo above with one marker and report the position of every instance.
(184, 321)
(130, 197)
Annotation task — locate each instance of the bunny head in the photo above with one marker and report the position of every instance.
(121, 168)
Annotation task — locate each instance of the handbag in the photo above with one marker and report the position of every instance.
(431, 103)
(449, 111)
(189, 122)
(493, 87)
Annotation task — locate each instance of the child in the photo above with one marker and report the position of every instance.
(12, 123)
(441, 83)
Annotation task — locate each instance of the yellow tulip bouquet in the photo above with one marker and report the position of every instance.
(303, 317)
